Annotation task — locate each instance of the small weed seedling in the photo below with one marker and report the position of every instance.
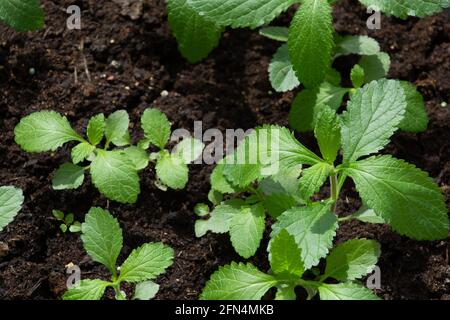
(67, 221)
(11, 200)
(114, 172)
(393, 191)
(102, 239)
(349, 261)
(22, 15)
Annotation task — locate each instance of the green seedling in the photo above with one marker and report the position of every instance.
(394, 191)
(349, 261)
(11, 200)
(114, 165)
(22, 15)
(102, 239)
(68, 222)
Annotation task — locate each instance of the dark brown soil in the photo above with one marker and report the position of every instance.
(228, 90)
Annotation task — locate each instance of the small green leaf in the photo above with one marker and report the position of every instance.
(96, 129)
(219, 182)
(220, 218)
(240, 13)
(116, 127)
(81, 152)
(313, 179)
(357, 76)
(281, 73)
(345, 291)
(406, 197)
(63, 228)
(76, 227)
(328, 133)
(146, 290)
(44, 131)
(361, 45)
(172, 171)
(375, 66)
(102, 237)
(196, 36)
(87, 290)
(138, 156)
(285, 292)
(416, 119)
(69, 219)
(404, 8)
(156, 127)
(11, 200)
(313, 227)
(58, 214)
(275, 33)
(311, 42)
(68, 176)
(285, 255)
(277, 203)
(372, 116)
(237, 282)
(189, 149)
(146, 262)
(365, 214)
(201, 209)
(22, 15)
(246, 230)
(115, 176)
(352, 259)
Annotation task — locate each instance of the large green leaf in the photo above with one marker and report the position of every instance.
(405, 196)
(311, 42)
(405, 8)
(68, 176)
(44, 131)
(156, 127)
(416, 119)
(362, 45)
(313, 179)
(328, 133)
(11, 200)
(196, 36)
(172, 171)
(345, 291)
(240, 13)
(22, 15)
(285, 255)
(220, 218)
(87, 290)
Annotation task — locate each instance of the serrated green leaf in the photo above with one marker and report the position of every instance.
(115, 176)
(285, 256)
(357, 76)
(311, 42)
(345, 291)
(145, 290)
(352, 259)
(22, 15)
(116, 127)
(156, 127)
(81, 151)
(68, 176)
(313, 227)
(87, 290)
(405, 196)
(11, 200)
(96, 129)
(246, 230)
(138, 156)
(102, 237)
(404, 8)
(219, 182)
(44, 131)
(365, 214)
(220, 218)
(237, 282)
(277, 203)
(240, 13)
(376, 66)
(285, 181)
(172, 171)
(416, 118)
(361, 45)
(308, 104)
(313, 179)
(146, 262)
(328, 133)
(281, 72)
(196, 36)
(275, 33)
(372, 116)
(189, 149)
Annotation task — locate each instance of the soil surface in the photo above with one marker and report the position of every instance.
(123, 58)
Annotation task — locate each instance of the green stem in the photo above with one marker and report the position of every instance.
(334, 189)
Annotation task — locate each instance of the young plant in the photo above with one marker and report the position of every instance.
(67, 221)
(349, 261)
(22, 15)
(114, 170)
(395, 192)
(102, 239)
(11, 200)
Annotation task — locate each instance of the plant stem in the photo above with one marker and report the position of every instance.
(334, 190)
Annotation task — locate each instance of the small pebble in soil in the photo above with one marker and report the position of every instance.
(444, 104)
(115, 64)
(32, 71)
(164, 93)
(4, 249)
